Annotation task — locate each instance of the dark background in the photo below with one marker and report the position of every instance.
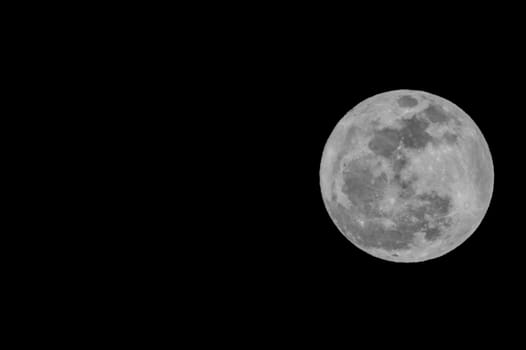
(173, 162)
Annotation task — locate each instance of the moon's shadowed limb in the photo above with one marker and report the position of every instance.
(458, 166)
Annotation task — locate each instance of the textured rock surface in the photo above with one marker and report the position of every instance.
(403, 183)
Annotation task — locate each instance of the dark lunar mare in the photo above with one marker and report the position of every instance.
(412, 135)
(436, 114)
(362, 188)
(407, 101)
(437, 207)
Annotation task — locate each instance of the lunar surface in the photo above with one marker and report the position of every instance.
(407, 176)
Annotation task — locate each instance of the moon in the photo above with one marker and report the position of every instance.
(406, 176)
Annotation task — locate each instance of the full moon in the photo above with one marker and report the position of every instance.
(406, 176)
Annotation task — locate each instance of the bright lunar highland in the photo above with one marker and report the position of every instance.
(406, 176)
